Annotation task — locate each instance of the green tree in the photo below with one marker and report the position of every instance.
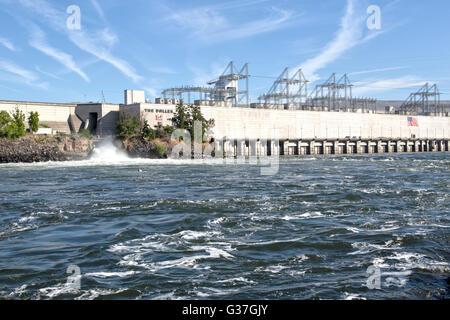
(12, 126)
(33, 121)
(160, 131)
(18, 123)
(148, 132)
(169, 130)
(196, 115)
(128, 126)
(17, 126)
(182, 118)
(185, 117)
(5, 123)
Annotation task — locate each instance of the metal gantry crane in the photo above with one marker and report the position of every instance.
(286, 92)
(224, 88)
(426, 101)
(337, 95)
(228, 83)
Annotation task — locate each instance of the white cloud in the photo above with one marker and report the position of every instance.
(152, 92)
(208, 24)
(7, 44)
(55, 17)
(257, 27)
(99, 9)
(38, 42)
(98, 43)
(11, 67)
(22, 74)
(48, 74)
(200, 21)
(203, 75)
(161, 69)
(376, 70)
(349, 35)
(376, 86)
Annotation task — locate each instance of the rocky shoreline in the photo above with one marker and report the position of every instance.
(138, 147)
(43, 148)
(38, 148)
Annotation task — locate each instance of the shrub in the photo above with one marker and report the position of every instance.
(18, 124)
(5, 121)
(160, 149)
(185, 117)
(85, 133)
(128, 126)
(169, 130)
(182, 117)
(12, 126)
(159, 131)
(148, 132)
(33, 121)
(43, 125)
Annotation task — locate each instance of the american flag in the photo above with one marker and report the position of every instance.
(412, 122)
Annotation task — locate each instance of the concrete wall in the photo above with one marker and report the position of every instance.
(259, 123)
(55, 115)
(60, 117)
(107, 117)
(153, 113)
(238, 123)
(134, 96)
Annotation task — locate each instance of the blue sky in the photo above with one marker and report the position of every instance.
(152, 45)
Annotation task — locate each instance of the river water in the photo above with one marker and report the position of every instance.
(333, 227)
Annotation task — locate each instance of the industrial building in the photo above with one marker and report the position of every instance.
(288, 119)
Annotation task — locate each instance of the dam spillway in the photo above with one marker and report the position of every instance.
(259, 148)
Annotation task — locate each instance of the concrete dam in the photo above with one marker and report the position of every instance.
(287, 120)
(250, 131)
(259, 132)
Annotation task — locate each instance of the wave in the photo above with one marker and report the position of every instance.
(110, 274)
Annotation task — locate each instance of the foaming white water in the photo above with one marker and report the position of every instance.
(365, 247)
(306, 215)
(236, 280)
(138, 260)
(111, 274)
(107, 152)
(95, 293)
(353, 296)
(52, 292)
(194, 235)
(271, 269)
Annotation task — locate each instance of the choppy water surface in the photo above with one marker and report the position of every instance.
(182, 229)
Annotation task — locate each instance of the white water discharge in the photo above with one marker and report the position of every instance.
(106, 151)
